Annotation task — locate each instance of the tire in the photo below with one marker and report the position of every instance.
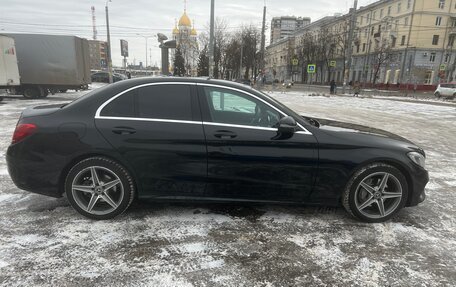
(437, 95)
(364, 194)
(33, 92)
(109, 195)
(63, 91)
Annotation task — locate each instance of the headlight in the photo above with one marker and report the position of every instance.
(417, 158)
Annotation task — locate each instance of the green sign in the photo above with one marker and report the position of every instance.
(311, 69)
(295, 62)
(442, 67)
(333, 64)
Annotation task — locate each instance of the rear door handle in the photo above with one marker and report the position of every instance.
(123, 130)
(224, 135)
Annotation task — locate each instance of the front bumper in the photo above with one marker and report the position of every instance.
(420, 177)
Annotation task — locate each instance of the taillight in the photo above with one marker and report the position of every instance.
(22, 131)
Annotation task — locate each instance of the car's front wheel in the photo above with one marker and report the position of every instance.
(99, 188)
(376, 193)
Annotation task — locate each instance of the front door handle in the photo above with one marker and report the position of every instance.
(123, 130)
(224, 135)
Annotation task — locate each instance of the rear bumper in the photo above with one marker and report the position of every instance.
(419, 180)
(32, 173)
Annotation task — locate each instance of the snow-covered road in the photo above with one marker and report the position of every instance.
(43, 242)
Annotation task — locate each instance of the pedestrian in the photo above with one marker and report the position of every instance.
(129, 75)
(356, 89)
(332, 87)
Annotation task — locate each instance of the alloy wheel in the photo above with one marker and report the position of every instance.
(378, 195)
(97, 190)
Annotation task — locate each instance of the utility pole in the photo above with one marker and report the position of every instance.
(146, 38)
(350, 47)
(109, 44)
(263, 39)
(240, 61)
(211, 40)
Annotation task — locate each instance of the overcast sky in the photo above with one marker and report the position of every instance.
(147, 17)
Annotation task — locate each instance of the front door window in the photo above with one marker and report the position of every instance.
(231, 107)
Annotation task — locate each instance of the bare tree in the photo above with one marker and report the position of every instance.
(380, 57)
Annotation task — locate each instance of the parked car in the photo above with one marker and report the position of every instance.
(208, 140)
(103, 77)
(446, 90)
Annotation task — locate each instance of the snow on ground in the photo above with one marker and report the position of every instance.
(44, 242)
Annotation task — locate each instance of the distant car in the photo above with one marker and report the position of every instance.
(209, 140)
(103, 77)
(288, 84)
(446, 90)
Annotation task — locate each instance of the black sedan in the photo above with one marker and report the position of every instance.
(208, 140)
(103, 77)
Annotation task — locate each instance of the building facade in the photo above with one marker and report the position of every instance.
(186, 40)
(395, 42)
(282, 27)
(98, 55)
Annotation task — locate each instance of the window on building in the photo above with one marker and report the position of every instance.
(389, 10)
(453, 23)
(442, 4)
(372, 31)
(403, 41)
(451, 41)
(393, 41)
(399, 6)
(399, 57)
(366, 32)
(435, 40)
(357, 48)
(447, 58)
(361, 20)
(432, 58)
(375, 16)
(438, 21)
(364, 47)
(381, 14)
(409, 4)
(406, 21)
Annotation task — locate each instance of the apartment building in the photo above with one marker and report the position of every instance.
(98, 54)
(282, 27)
(395, 41)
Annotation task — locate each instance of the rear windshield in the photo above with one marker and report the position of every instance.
(452, 86)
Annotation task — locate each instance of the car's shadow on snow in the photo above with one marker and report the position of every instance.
(247, 211)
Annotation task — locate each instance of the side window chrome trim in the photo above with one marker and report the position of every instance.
(240, 126)
(100, 108)
(304, 130)
(151, 120)
(193, 123)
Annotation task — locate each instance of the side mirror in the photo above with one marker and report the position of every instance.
(287, 125)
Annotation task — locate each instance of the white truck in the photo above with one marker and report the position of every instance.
(35, 65)
(9, 71)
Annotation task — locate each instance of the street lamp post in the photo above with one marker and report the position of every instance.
(109, 43)
(146, 38)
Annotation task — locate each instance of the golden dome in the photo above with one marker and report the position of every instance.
(193, 33)
(175, 31)
(185, 21)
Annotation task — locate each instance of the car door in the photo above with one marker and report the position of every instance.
(157, 128)
(247, 160)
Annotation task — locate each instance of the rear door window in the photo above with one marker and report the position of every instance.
(122, 106)
(171, 102)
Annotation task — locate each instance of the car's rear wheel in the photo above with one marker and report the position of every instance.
(376, 193)
(437, 95)
(99, 188)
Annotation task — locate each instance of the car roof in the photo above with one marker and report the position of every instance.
(202, 80)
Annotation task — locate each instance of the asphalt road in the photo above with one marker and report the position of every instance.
(43, 242)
